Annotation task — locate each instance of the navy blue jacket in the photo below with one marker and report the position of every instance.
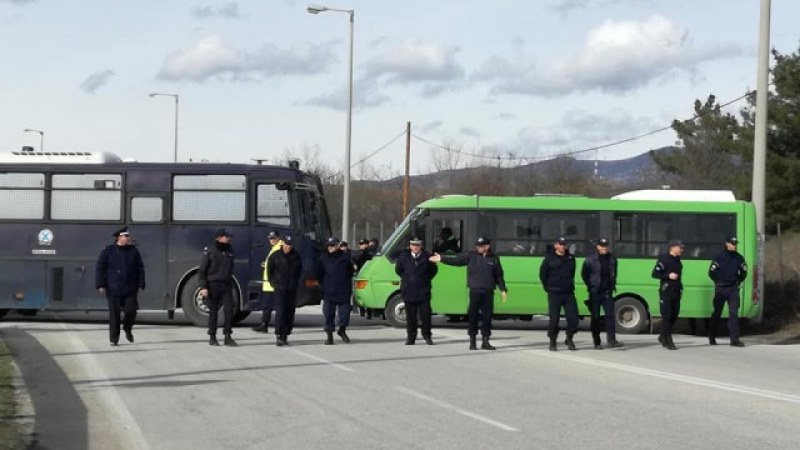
(728, 269)
(415, 276)
(283, 270)
(557, 273)
(335, 274)
(119, 270)
(592, 269)
(665, 265)
(484, 272)
(216, 265)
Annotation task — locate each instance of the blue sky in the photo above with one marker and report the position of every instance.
(263, 79)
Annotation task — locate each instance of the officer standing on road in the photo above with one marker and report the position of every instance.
(335, 275)
(727, 271)
(557, 274)
(416, 272)
(284, 268)
(268, 292)
(119, 274)
(216, 281)
(599, 273)
(669, 270)
(484, 274)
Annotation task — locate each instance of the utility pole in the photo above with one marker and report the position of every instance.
(408, 164)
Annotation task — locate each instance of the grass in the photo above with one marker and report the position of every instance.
(11, 436)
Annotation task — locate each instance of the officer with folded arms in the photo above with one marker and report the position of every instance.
(727, 271)
(669, 270)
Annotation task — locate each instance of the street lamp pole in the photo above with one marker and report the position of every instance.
(175, 96)
(41, 137)
(316, 9)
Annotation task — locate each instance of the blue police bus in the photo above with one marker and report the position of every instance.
(59, 209)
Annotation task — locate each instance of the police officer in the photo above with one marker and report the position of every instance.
(268, 292)
(484, 274)
(119, 274)
(557, 274)
(599, 273)
(727, 271)
(283, 269)
(335, 275)
(416, 272)
(216, 281)
(360, 257)
(668, 271)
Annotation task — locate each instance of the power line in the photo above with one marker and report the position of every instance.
(364, 159)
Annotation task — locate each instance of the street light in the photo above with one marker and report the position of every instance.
(155, 94)
(41, 137)
(316, 9)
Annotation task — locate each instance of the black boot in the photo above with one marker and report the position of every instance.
(329, 339)
(736, 343)
(597, 344)
(261, 328)
(712, 340)
(229, 341)
(410, 341)
(553, 345)
(613, 343)
(428, 340)
(485, 345)
(280, 341)
(212, 340)
(342, 334)
(670, 345)
(570, 345)
(129, 336)
(662, 340)
(472, 344)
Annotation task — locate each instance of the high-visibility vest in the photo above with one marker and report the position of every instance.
(265, 286)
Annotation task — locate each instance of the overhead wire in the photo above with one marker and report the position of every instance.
(364, 159)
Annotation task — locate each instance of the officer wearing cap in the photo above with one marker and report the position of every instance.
(599, 274)
(668, 270)
(335, 275)
(283, 269)
(119, 274)
(267, 289)
(484, 274)
(557, 274)
(416, 272)
(728, 269)
(360, 258)
(216, 281)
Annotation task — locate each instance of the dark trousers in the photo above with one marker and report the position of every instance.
(724, 294)
(423, 310)
(670, 303)
(603, 300)
(269, 306)
(285, 305)
(219, 295)
(116, 305)
(555, 301)
(481, 305)
(331, 310)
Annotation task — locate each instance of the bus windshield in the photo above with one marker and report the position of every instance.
(403, 232)
(313, 216)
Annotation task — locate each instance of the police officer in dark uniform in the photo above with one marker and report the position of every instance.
(119, 274)
(360, 257)
(484, 274)
(284, 268)
(668, 271)
(416, 272)
(557, 274)
(216, 281)
(727, 271)
(335, 275)
(599, 273)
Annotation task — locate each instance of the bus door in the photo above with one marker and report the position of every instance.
(447, 233)
(148, 229)
(272, 212)
(71, 257)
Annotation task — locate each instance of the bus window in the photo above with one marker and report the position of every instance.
(22, 196)
(449, 235)
(208, 198)
(272, 205)
(147, 210)
(86, 197)
(313, 216)
(519, 233)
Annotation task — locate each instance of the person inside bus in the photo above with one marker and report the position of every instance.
(268, 292)
(216, 281)
(119, 275)
(557, 274)
(446, 243)
(284, 268)
(668, 271)
(599, 274)
(335, 275)
(484, 275)
(727, 270)
(416, 272)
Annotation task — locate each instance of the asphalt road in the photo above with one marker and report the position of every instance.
(170, 390)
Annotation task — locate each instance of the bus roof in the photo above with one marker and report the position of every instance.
(678, 195)
(30, 156)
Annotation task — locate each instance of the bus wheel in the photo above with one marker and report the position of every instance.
(195, 308)
(631, 315)
(27, 312)
(396, 311)
(3, 312)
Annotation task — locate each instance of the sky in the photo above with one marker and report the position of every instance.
(265, 79)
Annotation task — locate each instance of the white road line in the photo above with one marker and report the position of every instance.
(456, 409)
(324, 361)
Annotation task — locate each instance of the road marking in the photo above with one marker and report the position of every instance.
(453, 408)
(324, 361)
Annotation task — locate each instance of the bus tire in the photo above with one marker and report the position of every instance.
(3, 312)
(631, 315)
(396, 311)
(195, 308)
(27, 312)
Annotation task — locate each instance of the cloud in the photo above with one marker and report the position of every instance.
(226, 11)
(212, 58)
(433, 67)
(431, 126)
(505, 116)
(365, 95)
(96, 80)
(617, 57)
(17, 2)
(470, 131)
(566, 6)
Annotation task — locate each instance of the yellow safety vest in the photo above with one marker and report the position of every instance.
(265, 286)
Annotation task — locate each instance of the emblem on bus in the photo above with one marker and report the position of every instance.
(45, 237)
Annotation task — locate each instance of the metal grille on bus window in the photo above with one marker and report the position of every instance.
(147, 209)
(87, 181)
(532, 232)
(272, 205)
(86, 197)
(21, 196)
(21, 180)
(203, 206)
(647, 235)
(210, 182)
